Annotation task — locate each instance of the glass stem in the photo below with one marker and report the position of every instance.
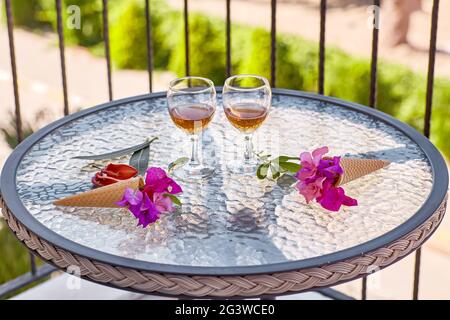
(194, 161)
(248, 148)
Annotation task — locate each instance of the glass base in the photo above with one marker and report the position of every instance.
(191, 172)
(243, 167)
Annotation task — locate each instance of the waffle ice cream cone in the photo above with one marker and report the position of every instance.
(355, 168)
(103, 197)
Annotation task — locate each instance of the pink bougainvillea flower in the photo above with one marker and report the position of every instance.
(157, 181)
(148, 213)
(309, 163)
(317, 180)
(140, 205)
(333, 198)
(330, 168)
(132, 199)
(311, 189)
(147, 205)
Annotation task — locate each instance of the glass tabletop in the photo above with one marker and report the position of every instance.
(228, 220)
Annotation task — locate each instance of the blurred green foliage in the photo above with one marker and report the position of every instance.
(17, 259)
(41, 15)
(27, 13)
(90, 32)
(206, 49)
(128, 34)
(258, 56)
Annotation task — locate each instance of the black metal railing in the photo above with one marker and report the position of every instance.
(36, 274)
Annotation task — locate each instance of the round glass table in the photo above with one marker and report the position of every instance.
(236, 236)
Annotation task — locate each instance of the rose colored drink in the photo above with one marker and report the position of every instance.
(246, 117)
(192, 118)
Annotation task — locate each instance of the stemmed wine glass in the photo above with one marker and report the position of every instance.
(246, 102)
(192, 103)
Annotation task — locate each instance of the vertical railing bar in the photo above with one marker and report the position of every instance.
(12, 53)
(149, 45)
(107, 49)
(427, 124)
(431, 65)
(62, 57)
(228, 37)
(364, 288)
(373, 93)
(32, 264)
(273, 43)
(374, 61)
(186, 37)
(323, 16)
(417, 261)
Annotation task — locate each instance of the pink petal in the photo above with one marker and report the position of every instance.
(130, 197)
(319, 182)
(174, 188)
(154, 174)
(305, 173)
(318, 154)
(162, 203)
(332, 198)
(305, 157)
(310, 190)
(350, 202)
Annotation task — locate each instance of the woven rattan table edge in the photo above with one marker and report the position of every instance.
(226, 286)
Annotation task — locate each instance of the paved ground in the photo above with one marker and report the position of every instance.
(41, 99)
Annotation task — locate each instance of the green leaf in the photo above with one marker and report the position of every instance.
(139, 160)
(260, 153)
(174, 198)
(264, 157)
(276, 175)
(275, 171)
(177, 164)
(284, 159)
(262, 170)
(118, 153)
(290, 166)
